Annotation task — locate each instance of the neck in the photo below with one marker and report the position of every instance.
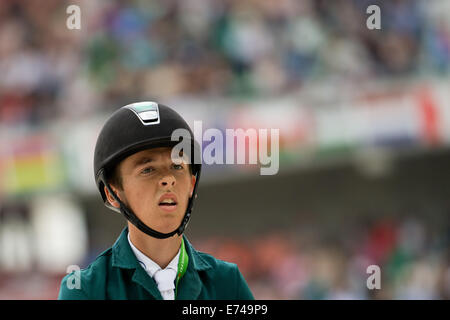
(161, 251)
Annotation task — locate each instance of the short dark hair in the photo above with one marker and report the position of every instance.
(114, 177)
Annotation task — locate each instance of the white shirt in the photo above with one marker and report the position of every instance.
(164, 278)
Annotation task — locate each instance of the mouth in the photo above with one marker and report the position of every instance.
(168, 202)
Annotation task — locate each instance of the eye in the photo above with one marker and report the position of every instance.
(178, 166)
(147, 170)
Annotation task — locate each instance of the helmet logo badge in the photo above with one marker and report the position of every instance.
(146, 111)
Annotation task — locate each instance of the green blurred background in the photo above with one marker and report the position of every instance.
(364, 120)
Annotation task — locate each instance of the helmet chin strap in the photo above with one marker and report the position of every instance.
(130, 216)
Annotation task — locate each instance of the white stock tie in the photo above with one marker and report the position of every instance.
(165, 281)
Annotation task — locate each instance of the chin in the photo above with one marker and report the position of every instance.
(167, 229)
(169, 226)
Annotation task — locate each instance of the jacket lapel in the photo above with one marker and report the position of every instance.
(190, 285)
(123, 257)
(142, 278)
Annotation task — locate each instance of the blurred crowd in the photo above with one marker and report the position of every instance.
(129, 50)
(311, 263)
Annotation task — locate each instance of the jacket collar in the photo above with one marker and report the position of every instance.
(123, 257)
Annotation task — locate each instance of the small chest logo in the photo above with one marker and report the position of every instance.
(146, 111)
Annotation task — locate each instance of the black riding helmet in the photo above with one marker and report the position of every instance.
(133, 128)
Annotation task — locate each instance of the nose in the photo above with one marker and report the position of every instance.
(167, 181)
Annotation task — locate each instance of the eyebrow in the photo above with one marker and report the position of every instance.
(142, 161)
(146, 159)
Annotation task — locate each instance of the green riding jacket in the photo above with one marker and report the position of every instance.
(117, 274)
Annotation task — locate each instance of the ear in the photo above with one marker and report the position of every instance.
(110, 198)
(192, 185)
